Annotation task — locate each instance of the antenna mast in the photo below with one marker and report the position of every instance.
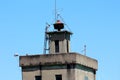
(46, 39)
(85, 50)
(55, 11)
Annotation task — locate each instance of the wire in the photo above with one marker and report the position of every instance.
(64, 22)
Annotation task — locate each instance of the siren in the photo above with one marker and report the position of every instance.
(59, 25)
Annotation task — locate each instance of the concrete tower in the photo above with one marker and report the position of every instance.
(59, 40)
(60, 63)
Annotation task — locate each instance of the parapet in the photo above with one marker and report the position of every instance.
(61, 58)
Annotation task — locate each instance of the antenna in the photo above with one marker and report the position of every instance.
(16, 55)
(85, 50)
(55, 10)
(46, 39)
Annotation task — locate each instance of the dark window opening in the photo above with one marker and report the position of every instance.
(68, 66)
(56, 46)
(58, 77)
(67, 46)
(40, 67)
(71, 66)
(38, 78)
(94, 72)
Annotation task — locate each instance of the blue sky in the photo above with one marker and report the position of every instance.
(95, 23)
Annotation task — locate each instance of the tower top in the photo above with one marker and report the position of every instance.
(59, 25)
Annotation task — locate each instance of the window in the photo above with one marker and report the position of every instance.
(56, 46)
(68, 66)
(58, 77)
(67, 46)
(38, 78)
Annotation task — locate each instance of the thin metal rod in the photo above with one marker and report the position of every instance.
(85, 50)
(46, 39)
(55, 10)
(45, 42)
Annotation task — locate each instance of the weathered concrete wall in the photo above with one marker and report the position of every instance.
(59, 35)
(63, 58)
(52, 47)
(81, 74)
(63, 37)
(49, 74)
(50, 65)
(67, 74)
(87, 61)
(30, 75)
(62, 47)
